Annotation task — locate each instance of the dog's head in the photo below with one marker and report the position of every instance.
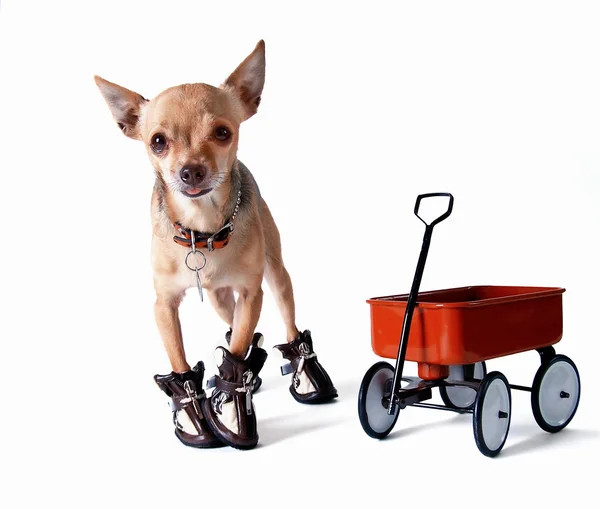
(191, 131)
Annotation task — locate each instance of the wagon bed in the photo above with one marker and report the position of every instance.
(468, 324)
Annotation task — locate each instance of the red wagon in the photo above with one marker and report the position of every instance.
(450, 334)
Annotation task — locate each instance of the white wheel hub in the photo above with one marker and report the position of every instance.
(559, 393)
(495, 414)
(379, 420)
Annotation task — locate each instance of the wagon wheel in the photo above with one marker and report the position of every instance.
(462, 398)
(372, 410)
(555, 394)
(491, 414)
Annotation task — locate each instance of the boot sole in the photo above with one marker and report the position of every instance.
(316, 399)
(244, 446)
(240, 446)
(208, 445)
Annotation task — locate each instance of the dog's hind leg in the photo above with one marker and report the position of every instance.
(310, 382)
(277, 275)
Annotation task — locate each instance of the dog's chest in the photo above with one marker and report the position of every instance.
(214, 269)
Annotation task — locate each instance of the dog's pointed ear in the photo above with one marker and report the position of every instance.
(124, 105)
(248, 79)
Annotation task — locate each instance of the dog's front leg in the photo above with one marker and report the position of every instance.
(230, 412)
(183, 385)
(166, 313)
(245, 319)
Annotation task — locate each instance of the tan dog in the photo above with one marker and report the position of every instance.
(191, 134)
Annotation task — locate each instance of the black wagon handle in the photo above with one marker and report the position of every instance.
(431, 195)
(413, 295)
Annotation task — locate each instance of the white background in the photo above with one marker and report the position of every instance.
(365, 106)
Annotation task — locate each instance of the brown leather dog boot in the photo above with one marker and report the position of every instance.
(230, 412)
(186, 393)
(310, 382)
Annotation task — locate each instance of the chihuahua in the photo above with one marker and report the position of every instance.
(212, 229)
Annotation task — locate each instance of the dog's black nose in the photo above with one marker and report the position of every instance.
(193, 174)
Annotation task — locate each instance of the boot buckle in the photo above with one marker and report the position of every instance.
(305, 354)
(247, 388)
(190, 389)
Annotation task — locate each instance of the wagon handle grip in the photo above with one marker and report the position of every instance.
(443, 216)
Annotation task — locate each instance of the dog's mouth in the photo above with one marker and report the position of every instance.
(196, 192)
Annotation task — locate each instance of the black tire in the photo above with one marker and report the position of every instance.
(451, 396)
(371, 410)
(492, 414)
(555, 394)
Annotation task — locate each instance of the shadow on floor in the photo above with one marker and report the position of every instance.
(536, 439)
(456, 420)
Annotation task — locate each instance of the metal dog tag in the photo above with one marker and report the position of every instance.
(195, 268)
(199, 285)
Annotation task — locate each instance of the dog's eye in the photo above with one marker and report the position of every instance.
(158, 143)
(222, 133)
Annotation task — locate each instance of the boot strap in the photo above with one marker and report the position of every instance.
(212, 382)
(179, 402)
(238, 389)
(228, 387)
(297, 364)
